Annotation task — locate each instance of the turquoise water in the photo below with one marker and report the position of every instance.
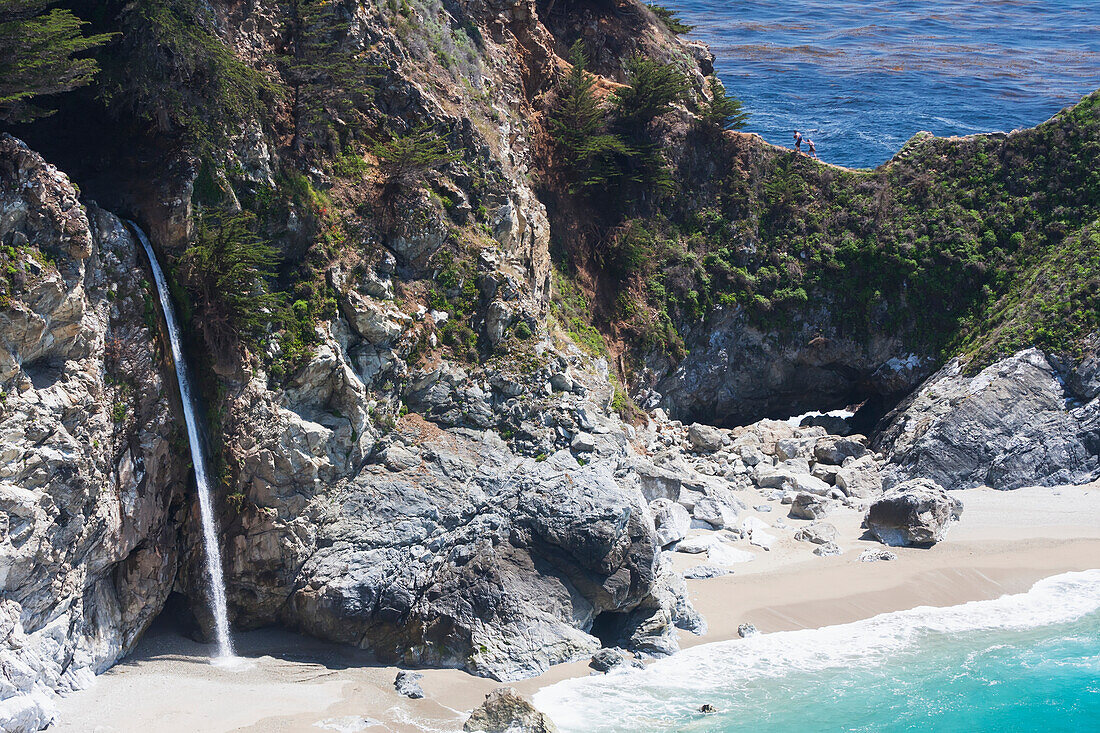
(1024, 662)
(862, 76)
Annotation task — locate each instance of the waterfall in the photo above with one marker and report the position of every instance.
(206, 504)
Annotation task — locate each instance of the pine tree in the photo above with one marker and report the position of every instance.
(228, 271)
(404, 160)
(722, 110)
(37, 49)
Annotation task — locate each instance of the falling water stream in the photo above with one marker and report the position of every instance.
(206, 508)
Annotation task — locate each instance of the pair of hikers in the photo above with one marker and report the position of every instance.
(810, 148)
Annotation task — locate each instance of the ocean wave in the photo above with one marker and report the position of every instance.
(653, 697)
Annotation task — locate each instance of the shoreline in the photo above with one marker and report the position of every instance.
(1005, 543)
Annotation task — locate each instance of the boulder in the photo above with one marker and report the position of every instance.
(781, 477)
(877, 556)
(746, 630)
(791, 448)
(606, 659)
(818, 533)
(762, 539)
(705, 572)
(714, 513)
(826, 473)
(705, 438)
(829, 549)
(583, 443)
(696, 545)
(377, 322)
(860, 479)
(506, 711)
(833, 450)
(916, 512)
(408, 684)
(670, 520)
(807, 506)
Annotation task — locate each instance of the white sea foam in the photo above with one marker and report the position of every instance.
(637, 697)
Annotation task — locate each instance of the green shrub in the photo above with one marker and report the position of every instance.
(522, 331)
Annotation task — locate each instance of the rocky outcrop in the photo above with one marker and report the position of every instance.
(91, 465)
(735, 374)
(916, 512)
(1016, 423)
(506, 711)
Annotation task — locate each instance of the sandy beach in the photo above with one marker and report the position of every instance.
(1005, 542)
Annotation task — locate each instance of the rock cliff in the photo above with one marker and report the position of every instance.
(418, 453)
(92, 478)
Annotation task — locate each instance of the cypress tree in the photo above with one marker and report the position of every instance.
(328, 84)
(722, 110)
(38, 47)
(654, 88)
(592, 156)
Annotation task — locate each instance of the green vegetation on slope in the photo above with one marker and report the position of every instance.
(953, 238)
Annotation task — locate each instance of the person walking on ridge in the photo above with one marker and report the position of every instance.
(811, 149)
(798, 141)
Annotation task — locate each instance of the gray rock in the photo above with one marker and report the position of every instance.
(860, 479)
(829, 549)
(763, 508)
(783, 478)
(916, 512)
(746, 630)
(833, 424)
(583, 443)
(671, 520)
(714, 513)
(807, 506)
(818, 533)
(90, 462)
(655, 482)
(561, 382)
(1009, 426)
(735, 373)
(606, 659)
(751, 456)
(705, 438)
(793, 448)
(408, 684)
(876, 556)
(826, 473)
(705, 571)
(834, 450)
(506, 711)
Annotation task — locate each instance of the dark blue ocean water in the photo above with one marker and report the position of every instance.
(860, 77)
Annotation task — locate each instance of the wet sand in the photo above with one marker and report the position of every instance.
(1005, 542)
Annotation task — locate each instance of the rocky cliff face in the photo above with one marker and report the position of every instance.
(1019, 422)
(414, 458)
(90, 482)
